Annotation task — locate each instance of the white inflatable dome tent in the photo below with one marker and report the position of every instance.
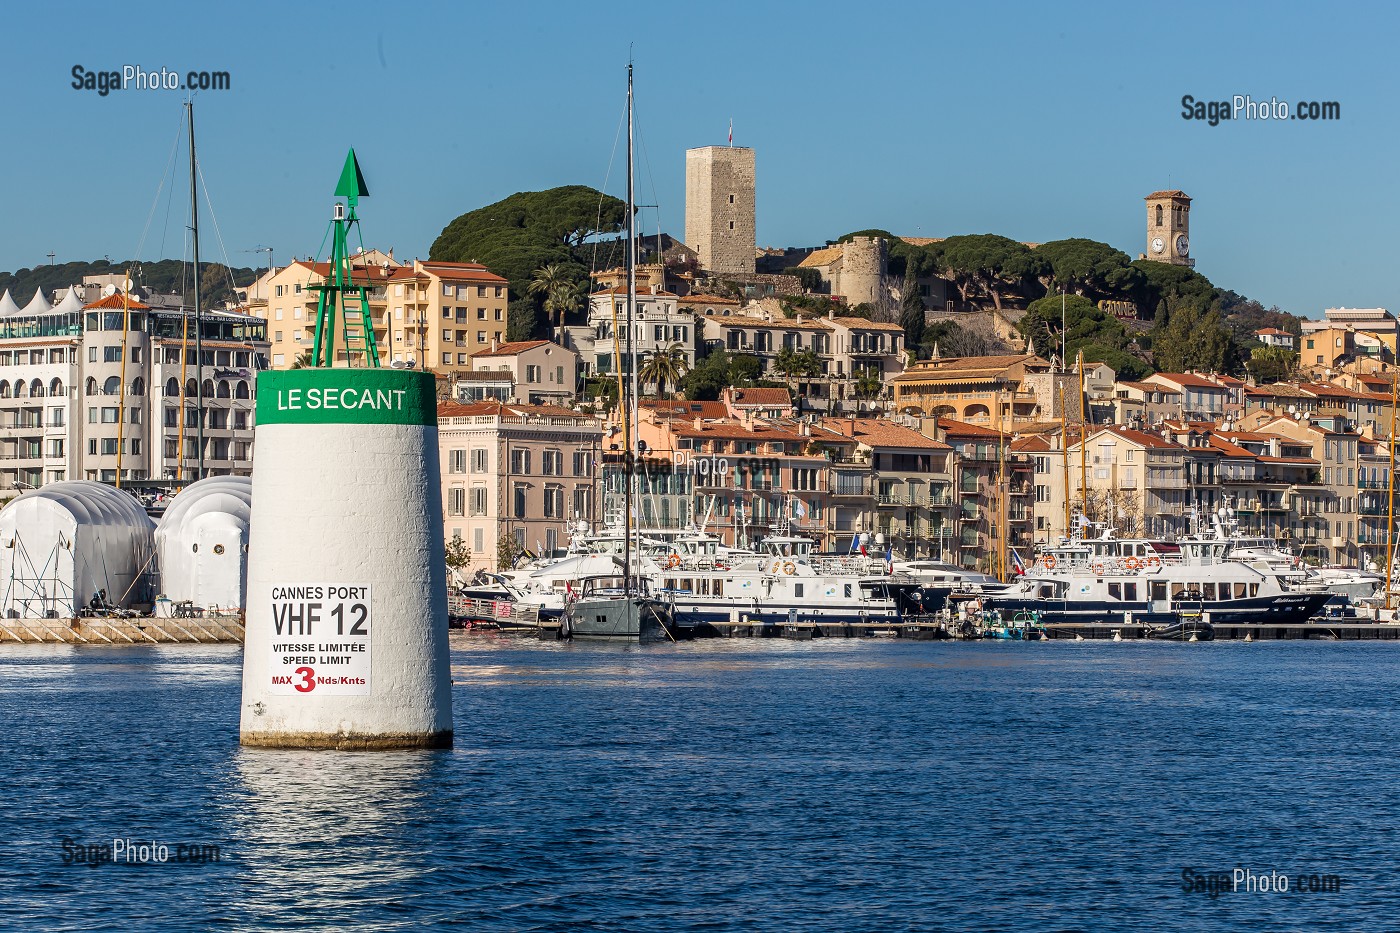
(64, 542)
(202, 543)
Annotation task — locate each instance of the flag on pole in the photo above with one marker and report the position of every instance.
(889, 558)
(799, 509)
(1016, 563)
(731, 131)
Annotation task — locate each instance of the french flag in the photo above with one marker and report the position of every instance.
(1016, 564)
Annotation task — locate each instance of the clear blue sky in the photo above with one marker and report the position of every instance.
(1037, 121)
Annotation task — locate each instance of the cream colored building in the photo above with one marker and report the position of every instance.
(522, 472)
(433, 315)
(542, 371)
(658, 324)
(1136, 481)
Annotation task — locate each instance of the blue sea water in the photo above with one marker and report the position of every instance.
(723, 785)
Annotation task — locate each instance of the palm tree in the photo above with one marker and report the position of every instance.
(868, 383)
(303, 361)
(665, 367)
(560, 295)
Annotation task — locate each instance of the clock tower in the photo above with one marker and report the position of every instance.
(1169, 228)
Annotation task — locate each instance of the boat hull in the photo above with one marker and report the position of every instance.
(1281, 609)
(637, 621)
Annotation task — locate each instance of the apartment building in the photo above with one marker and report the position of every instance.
(845, 349)
(520, 473)
(1136, 481)
(95, 390)
(658, 323)
(992, 481)
(542, 372)
(432, 315)
(989, 391)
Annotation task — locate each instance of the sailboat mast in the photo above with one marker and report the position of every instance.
(632, 264)
(628, 399)
(198, 331)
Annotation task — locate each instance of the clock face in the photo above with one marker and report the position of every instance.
(1181, 245)
(1158, 245)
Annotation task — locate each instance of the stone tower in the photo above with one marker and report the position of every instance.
(719, 208)
(1169, 227)
(863, 264)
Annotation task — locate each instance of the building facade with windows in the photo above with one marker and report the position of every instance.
(519, 473)
(430, 315)
(91, 391)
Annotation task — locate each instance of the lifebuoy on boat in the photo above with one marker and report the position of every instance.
(1134, 564)
(1154, 562)
(1098, 569)
(1049, 561)
(789, 568)
(673, 561)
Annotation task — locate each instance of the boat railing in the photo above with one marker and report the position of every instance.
(495, 610)
(848, 566)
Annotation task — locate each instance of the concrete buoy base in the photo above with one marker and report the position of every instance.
(346, 637)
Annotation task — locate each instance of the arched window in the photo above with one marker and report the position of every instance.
(1159, 215)
(21, 389)
(208, 388)
(977, 411)
(191, 389)
(91, 386)
(36, 389)
(222, 391)
(4, 388)
(138, 386)
(172, 387)
(56, 388)
(112, 386)
(240, 389)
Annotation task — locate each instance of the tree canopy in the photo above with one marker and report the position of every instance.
(529, 230)
(1100, 335)
(1193, 339)
(165, 276)
(985, 265)
(1090, 268)
(1271, 364)
(718, 371)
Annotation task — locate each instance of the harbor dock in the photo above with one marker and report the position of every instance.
(933, 630)
(136, 630)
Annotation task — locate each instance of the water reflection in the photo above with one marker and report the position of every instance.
(324, 834)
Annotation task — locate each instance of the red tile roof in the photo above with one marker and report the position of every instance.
(114, 302)
(1142, 438)
(761, 397)
(1188, 379)
(1173, 193)
(876, 432)
(462, 272)
(678, 408)
(963, 429)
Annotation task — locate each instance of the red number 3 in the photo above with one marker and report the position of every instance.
(308, 680)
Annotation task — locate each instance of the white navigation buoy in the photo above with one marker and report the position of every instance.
(1117, 635)
(1078, 637)
(346, 636)
(1249, 636)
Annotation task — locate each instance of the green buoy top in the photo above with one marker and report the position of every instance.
(352, 182)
